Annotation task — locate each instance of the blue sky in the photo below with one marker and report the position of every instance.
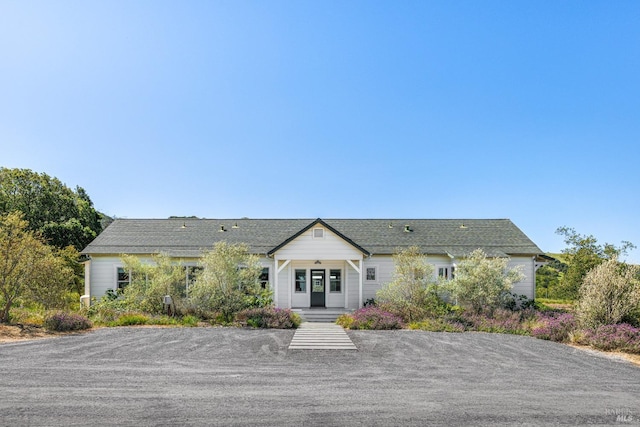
(526, 110)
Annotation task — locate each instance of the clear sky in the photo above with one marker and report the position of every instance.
(528, 110)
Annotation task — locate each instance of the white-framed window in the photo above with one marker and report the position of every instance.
(301, 280)
(264, 278)
(335, 281)
(371, 273)
(318, 233)
(446, 273)
(123, 278)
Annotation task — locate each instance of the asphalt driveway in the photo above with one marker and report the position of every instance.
(227, 376)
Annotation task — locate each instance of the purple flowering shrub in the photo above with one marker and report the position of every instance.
(555, 326)
(62, 322)
(623, 337)
(500, 321)
(374, 318)
(269, 317)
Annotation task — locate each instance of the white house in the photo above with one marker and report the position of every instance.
(336, 263)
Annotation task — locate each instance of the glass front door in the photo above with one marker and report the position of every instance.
(317, 288)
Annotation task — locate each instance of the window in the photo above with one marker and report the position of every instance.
(193, 273)
(301, 280)
(335, 280)
(446, 272)
(318, 233)
(371, 274)
(264, 278)
(124, 278)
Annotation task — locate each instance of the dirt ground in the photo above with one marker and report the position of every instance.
(11, 333)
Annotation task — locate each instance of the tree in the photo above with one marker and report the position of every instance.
(582, 255)
(548, 279)
(483, 284)
(412, 294)
(29, 268)
(229, 281)
(63, 216)
(150, 282)
(609, 294)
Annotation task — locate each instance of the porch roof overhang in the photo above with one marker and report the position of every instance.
(328, 227)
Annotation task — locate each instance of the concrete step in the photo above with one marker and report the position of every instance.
(320, 315)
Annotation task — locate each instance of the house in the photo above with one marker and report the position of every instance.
(338, 263)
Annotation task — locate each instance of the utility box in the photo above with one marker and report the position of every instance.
(167, 305)
(85, 300)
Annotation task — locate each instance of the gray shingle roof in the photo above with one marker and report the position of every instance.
(189, 237)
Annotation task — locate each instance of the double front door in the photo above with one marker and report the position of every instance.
(318, 288)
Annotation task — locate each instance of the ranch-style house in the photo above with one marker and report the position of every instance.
(333, 263)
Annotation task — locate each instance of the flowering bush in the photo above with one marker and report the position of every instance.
(623, 337)
(62, 321)
(500, 321)
(269, 317)
(374, 318)
(555, 326)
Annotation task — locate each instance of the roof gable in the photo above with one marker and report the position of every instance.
(313, 224)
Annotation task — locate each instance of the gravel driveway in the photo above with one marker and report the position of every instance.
(228, 376)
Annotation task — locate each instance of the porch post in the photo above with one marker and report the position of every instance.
(346, 285)
(360, 285)
(278, 269)
(358, 269)
(275, 281)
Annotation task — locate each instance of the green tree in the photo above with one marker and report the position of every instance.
(582, 255)
(29, 268)
(609, 294)
(228, 283)
(150, 282)
(483, 284)
(63, 216)
(412, 294)
(548, 279)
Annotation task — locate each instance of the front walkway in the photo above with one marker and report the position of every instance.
(321, 336)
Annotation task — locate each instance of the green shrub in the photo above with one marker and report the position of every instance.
(413, 293)
(609, 294)
(345, 320)
(62, 322)
(269, 317)
(130, 319)
(27, 316)
(190, 320)
(483, 284)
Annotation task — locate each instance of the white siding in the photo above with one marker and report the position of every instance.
(330, 247)
(335, 299)
(284, 278)
(352, 279)
(384, 274)
(527, 286)
(103, 274)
